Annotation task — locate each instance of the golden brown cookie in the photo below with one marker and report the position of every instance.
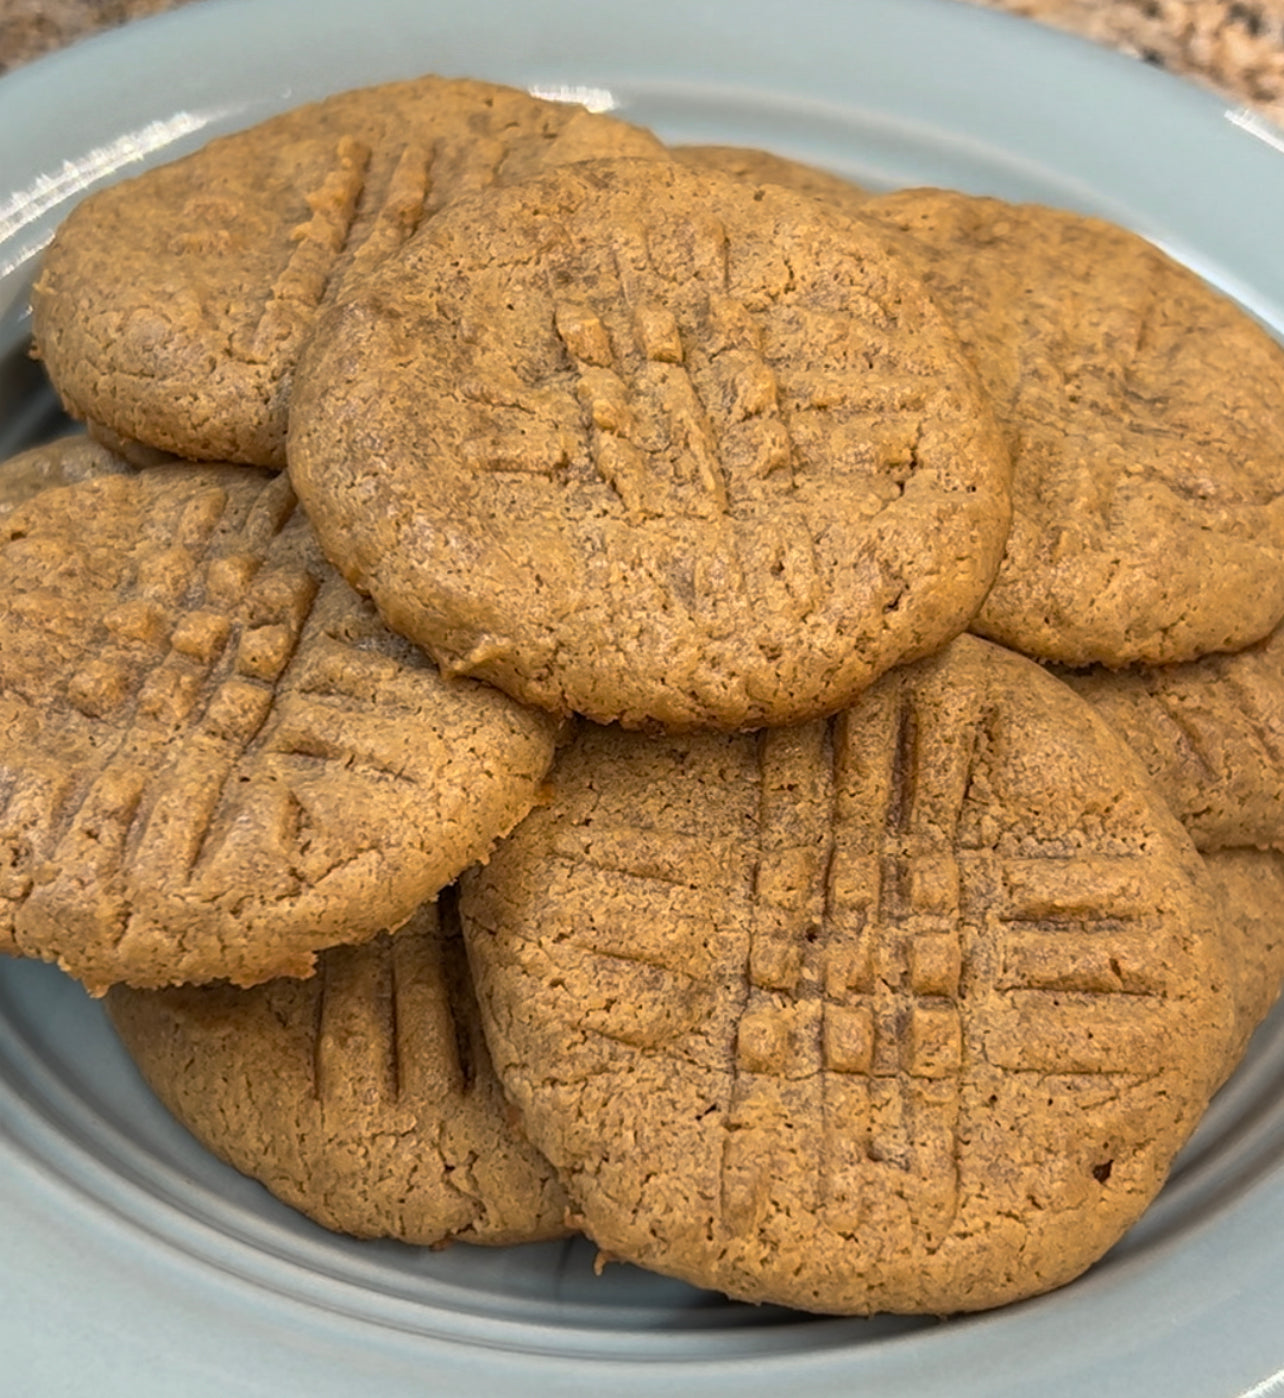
(654, 445)
(1211, 734)
(63, 462)
(762, 167)
(364, 1096)
(906, 1011)
(170, 308)
(216, 760)
(1146, 417)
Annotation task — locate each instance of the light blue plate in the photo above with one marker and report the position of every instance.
(131, 1263)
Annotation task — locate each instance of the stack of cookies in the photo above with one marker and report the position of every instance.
(493, 701)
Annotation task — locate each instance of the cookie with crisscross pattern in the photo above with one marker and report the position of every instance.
(1145, 412)
(907, 1010)
(215, 759)
(652, 445)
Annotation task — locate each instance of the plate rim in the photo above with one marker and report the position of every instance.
(127, 59)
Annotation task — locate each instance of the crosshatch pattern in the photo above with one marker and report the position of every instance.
(222, 760)
(1144, 415)
(1211, 733)
(363, 1096)
(911, 939)
(732, 442)
(171, 308)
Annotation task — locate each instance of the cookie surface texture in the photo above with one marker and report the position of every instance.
(1210, 733)
(1146, 417)
(908, 1010)
(170, 308)
(216, 759)
(762, 167)
(653, 445)
(64, 462)
(1248, 890)
(363, 1096)
(136, 454)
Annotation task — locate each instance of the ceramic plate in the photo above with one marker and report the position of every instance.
(132, 1263)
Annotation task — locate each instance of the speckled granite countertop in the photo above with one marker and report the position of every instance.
(1234, 45)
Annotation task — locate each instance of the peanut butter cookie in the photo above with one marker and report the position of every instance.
(652, 445)
(216, 760)
(1146, 417)
(363, 1097)
(906, 1011)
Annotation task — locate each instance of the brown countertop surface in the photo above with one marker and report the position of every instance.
(1236, 46)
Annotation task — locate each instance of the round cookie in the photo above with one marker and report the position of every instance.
(906, 1011)
(761, 167)
(170, 308)
(64, 462)
(364, 1096)
(1146, 417)
(216, 759)
(1211, 734)
(652, 445)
